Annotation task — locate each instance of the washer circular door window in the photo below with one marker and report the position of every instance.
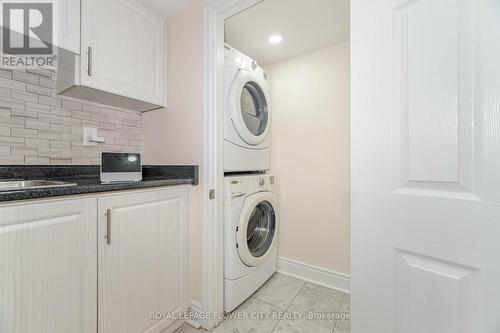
(249, 108)
(258, 229)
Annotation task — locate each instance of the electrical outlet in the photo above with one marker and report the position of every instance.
(90, 137)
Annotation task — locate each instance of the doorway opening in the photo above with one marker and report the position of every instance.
(298, 108)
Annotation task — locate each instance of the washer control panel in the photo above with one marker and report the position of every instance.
(237, 186)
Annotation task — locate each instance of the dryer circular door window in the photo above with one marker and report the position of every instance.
(249, 108)
(258, 229)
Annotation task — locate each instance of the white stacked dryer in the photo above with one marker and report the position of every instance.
(247, 130)
(251, 225)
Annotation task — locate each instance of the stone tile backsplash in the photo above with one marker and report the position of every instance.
(39, 127)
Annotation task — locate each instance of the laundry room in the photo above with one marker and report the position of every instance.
(287, 163)
(249, 166)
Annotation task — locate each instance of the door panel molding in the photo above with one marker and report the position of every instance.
(436, 296)
(435, 86)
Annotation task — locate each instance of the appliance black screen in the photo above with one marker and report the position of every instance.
(120, 162)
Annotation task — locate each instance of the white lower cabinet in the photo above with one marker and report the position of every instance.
(142, 259)
(48, 267)
(98, 264)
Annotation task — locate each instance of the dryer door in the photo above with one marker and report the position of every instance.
(249, 109)
(257, 233)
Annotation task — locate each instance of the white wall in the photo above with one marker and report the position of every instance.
(311, 156)
(175, 135)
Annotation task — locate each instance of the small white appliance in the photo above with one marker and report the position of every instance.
(247, 130)
(121, 167)
(251, 226)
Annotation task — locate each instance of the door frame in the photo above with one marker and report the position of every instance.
(215, 12)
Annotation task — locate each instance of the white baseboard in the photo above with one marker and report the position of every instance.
(196, 308)
(314, 274)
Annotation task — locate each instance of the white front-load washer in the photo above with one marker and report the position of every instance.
(251, 225)
(247, 127)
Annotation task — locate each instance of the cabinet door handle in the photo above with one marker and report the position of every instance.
(89, 61)
(108, 226)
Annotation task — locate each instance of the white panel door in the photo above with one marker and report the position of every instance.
(425, 166)
(48, 267)
(142, 259)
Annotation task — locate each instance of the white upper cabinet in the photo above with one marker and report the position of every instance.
(110, 52)
(124, 46)
(122, 61)
(109, 40)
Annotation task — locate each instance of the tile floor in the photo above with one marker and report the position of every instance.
(286, 304)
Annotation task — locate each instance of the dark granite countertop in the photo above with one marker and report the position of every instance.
(87, 180)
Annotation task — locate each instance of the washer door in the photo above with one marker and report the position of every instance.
(248, 102)
(257, 233)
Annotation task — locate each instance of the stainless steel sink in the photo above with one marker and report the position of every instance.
(15, 185)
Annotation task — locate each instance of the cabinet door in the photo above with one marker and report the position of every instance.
(142, 259)
(48, 267)
(123, 46)
(151, 56)
(109, 46)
